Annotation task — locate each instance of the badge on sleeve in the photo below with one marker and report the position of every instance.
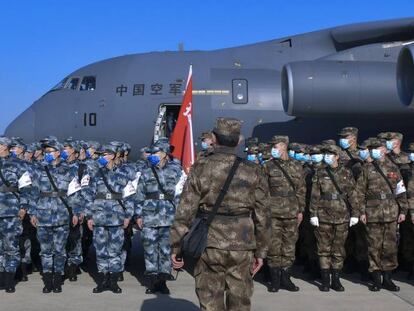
(25, 180)
(136, 180)
(400, 188)
(128, 190)
(85, 180)
(74, 186)
(180, 185)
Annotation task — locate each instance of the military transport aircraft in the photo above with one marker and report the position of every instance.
(307, 86)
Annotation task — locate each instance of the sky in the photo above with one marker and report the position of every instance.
(42, 41)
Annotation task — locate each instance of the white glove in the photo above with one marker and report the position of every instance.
(353, 221)
(314, 221)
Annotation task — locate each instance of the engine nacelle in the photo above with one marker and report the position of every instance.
(405, 76)
(340, 87)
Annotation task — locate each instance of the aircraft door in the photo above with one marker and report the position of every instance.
(166, 120)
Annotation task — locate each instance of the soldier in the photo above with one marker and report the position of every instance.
(110, 204)
(252, 150)
(54, 210)
(240, 233)
(14, 198)
(332, 210)
(207, 145)
(156, 204)
(286, 180)
(263, 153)
(407, 244)
(382, 191)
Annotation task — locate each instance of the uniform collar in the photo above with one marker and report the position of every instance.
(225, 149)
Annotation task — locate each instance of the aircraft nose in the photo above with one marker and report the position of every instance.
(23, 126)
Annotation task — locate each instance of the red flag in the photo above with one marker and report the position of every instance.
(182, 137)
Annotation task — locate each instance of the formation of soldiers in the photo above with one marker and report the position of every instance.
(331, 206)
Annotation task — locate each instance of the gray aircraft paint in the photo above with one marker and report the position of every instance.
(335, 77)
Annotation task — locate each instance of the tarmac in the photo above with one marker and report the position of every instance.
(78, 295)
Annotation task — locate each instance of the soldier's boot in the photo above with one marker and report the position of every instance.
(9, 284)
(113, 283)
(286, 282)
(2, 280)
(336, 282)
(48, 282)
(57, 283)
(363, 270)
(121, 277)
(23, 268)
(376, 281)
(315, 271)
(153, 284)
(72, 273)
(325, 276)
(162, 287)
(100, 282)
(274, 280)
(387, 282)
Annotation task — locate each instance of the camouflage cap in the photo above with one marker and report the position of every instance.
(206, 135)
(228, 126)
(52, 144)
(315, 149)
(347, 131)
(116, 144)
(295, 147)
(126, 147)
(108, 148)
(162, 144)
(279, 139)
(264, 149)
(332, 149)
(251, 141)
(5, 140)
(329, 142)
(70, 142)
(93, 144)
(376, 142)
(396, 135)
(366, 143)
(33, 147)
(49, 138)
(17, 142)
(82, 144)
(410, 147)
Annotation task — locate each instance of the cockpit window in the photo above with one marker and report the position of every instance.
(60, 85)
(72, 84)
(88, 83)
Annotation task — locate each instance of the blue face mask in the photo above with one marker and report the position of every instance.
(364, 154)
(329, 159)
(344, 143)
(251, 157)
(64, 155)
(291, 154)
(260, 157)
(317, 158)
(88, 154)
(306, 158)
(390, 145)
(13, 154)
(204, 145)
(411, 156)
(153, 159)
(102, 161)
(49, 157)
(299, 156)
(376, 154)
(275, 153)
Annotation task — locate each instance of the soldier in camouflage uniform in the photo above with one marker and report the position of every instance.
(156, 204)
(240, 233)
(306, 230)
(14, 201)
(383, 195)
(332, 210)
(287, 190)
(251, 149)
(263, 153)
(207, 145)
(53, 211)
(110, 207)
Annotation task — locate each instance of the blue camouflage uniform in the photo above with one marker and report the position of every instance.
(157, 210)
(52, 215)
(108, 215)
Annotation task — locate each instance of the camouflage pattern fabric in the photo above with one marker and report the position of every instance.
(157, 250)
(331, 245)
(108, 243)
(285, 234)
(10, 230)
(52, 241)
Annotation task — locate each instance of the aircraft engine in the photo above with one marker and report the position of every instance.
(405, 76)
(341, 87)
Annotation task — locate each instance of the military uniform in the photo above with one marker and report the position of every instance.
(240, 231)
(13, 197)
(53, 216)
(207, 149)
(108, 210)
(286, 203)
(251, 149)
(382, 205)
(156, 207)
(332, 208)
